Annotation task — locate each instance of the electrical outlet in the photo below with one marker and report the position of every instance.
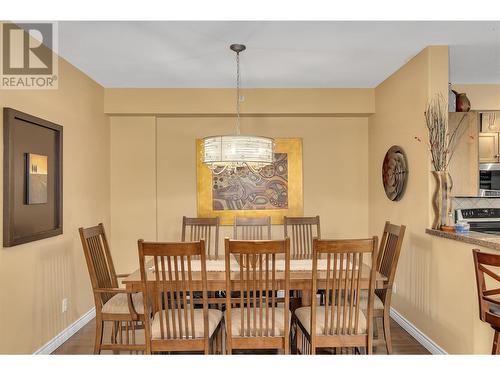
(241, 98)
(64, 306)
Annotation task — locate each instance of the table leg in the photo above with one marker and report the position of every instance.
(299, 340)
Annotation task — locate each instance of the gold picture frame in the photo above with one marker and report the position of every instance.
(293, 148)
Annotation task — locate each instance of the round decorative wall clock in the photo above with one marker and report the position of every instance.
(395, 173)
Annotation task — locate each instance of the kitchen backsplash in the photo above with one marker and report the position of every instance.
(475, 202)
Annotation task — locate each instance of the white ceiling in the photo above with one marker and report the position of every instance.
(279, 53)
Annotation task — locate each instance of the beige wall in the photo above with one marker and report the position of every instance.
(482, 97)
(133, 187)
(203, 102)
(335, 162)
(435, 278)
(35, 277)
(400, 102)
(452, 320)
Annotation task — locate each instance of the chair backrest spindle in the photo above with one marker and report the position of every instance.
(342, 284)
(172, 292)
(195, 229)
(259, 281)
(98, 258)
(252, 228)
(301, 231)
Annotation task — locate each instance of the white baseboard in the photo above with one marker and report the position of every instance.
(57, 341)
(418, 335)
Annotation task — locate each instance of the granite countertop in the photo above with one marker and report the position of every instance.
(475, 238)
(476, 197)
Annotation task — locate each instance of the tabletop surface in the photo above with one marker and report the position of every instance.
(300, 273)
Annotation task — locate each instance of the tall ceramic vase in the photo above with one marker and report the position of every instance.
(441, 200)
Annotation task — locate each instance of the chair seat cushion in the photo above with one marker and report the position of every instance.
(495, 309)
(214, 318)
(279, 322)
(118, 304)
(303, 314)
(377, 302)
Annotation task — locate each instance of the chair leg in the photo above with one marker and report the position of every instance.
(496, 343)
(116, 326)
(293, 335)
(228, 343)
(216, 343)
(375, 328)
(98, 335)
(207, 347)
(114, 332)
(298, 341)
(287, 343)
(223, 337)
(387, 331)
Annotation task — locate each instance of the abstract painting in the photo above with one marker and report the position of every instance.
(36, 179)
(275, 191)
(245, 190)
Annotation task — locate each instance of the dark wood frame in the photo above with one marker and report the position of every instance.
(9, 115)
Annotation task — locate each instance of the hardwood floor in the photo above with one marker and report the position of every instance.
(83, 342)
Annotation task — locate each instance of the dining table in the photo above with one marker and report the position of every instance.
(300, 277)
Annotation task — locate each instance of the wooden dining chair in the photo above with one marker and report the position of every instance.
(301, 231)
(176, 325)
(341, 321)
(195, 229)
(112, 303)
(387, 262)
(258, 322)
(488, 265)
(252, 228)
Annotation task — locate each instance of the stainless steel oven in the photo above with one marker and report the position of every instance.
(486, 220)
(489, 179)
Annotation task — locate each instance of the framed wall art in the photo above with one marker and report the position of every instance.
(32, 202)
(275, 191)
(395, 173)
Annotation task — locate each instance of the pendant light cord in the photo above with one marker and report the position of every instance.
(237, 93)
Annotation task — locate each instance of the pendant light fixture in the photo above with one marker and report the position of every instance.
(228, 153)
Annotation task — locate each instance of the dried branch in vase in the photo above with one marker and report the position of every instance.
(442, 143)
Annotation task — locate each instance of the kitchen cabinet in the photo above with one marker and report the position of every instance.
(488, 148)
(490, 122)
